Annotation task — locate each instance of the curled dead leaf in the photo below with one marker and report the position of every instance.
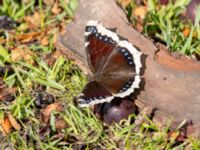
(45, 41)
(14, 122)
(28, 37)
(56, 9)
(60, 124)
(46, 112)
(6, 125)
(6, 94)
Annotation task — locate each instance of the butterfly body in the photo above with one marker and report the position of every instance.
(115, 65)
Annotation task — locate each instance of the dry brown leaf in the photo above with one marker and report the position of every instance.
(56, 9)
(13, 122)
(33, 21)
(46, 112)
(27, 37)
(60, 124)
(6, 125)
(22, 54)
(5, 92)
(62, 29)
(186, 31)
(140, 12)
(124, 3)
(45, 41)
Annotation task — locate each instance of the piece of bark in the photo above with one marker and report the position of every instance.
(170, 87)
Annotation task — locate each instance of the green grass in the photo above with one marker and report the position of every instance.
(164, 22)
(64, 81)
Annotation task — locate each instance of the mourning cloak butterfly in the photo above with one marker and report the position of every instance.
(114, 63)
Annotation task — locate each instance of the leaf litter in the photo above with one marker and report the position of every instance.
(38, 86)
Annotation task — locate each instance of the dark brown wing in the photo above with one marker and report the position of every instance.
(94, 93)
(99, 43)
(121, 71)
(115, 64)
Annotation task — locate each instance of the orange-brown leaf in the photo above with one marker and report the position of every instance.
(186, 31)
(14, 122)
(46, 112)
(6, 93)
(27, 37)
(45, 41)
(33, 21)
(124, 3)
(56, 9)
(140, 12)
(60, 124)
(22, 54)
(6, 125)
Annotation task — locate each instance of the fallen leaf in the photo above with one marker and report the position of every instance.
(56, 9)
(13, 122)
(33, 21)
(27, 37)
(186, 31)
(140, 12)
(60, 124)
(46, 112)
(62, 29)
(124, 3)
(23, 53)
(6, 125)
(6, 94)
(45, 41)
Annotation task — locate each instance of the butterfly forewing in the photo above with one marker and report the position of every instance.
(123, 68)
(98, 45)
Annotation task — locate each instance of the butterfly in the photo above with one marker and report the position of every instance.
(115, 65)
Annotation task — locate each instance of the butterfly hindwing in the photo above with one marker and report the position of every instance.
(93, 93)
